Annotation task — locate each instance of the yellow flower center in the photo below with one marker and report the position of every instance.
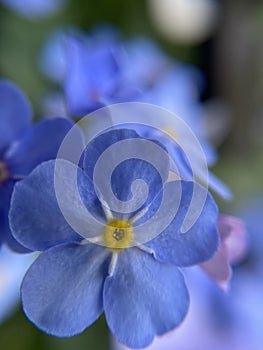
(118, 234)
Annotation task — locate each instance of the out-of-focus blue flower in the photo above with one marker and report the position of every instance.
(92, 73)
(12, 267)
(136, 284)
(183, 167)
(52, 58)
(100, 69)
(97, 73)
(143, 63)
(178, 91)
(22, 146)
(34, 9)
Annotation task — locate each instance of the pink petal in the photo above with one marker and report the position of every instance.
(237, 239)
(232, 249)
(218, 268)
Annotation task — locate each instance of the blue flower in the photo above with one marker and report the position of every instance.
(22, 146)
(184, 169)
(100, 69)
(34, 8)
(92, 72)
(95, 263)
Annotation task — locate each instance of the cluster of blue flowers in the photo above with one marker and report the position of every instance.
(93, 259)
(99, 69)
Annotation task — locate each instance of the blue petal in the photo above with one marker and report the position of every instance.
(100, 143)
(5, 233)
(15, 113)
(52, 59)
(121, 164)
(219, 187)
(143, 62)
(91, 74)
(143, 298)
(5, 196)
(200, 242)
(62, 290)
(36, 220)
(180, 164)
(40, 143)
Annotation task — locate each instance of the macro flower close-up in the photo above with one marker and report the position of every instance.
(131, 175)
(106, 267)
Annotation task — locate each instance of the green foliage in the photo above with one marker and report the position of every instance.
(18, 333)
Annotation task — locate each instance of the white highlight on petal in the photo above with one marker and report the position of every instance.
(106, 209)
(113, 263)
(139, 215)
(145, 249)
(94, 240)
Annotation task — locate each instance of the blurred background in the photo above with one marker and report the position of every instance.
(223, 40)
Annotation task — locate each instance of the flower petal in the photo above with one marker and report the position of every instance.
(100, 143)
(39, 144)
(36, 219)
(15, 113)
(91, 74)
(128, 170)
(219, 187)
(232, 249)
(218, 268)
(5, 195)
(200, 241)
(62, 290)
(143, 298)
(5, 232)
(233, 230)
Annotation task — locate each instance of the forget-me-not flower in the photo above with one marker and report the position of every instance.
(22, 147)
(92, 74)
(100, 69)
(138, 285)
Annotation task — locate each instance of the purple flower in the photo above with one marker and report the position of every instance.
(22, 147)
(98, 257)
